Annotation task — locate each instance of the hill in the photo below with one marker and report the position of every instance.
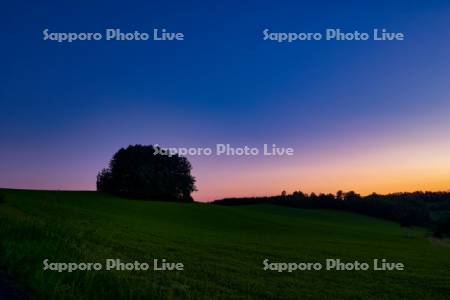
(222, 250)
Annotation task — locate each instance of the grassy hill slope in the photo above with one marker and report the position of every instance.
(222, 249)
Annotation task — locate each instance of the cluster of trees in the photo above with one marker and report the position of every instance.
(143, 172)
(428, 209)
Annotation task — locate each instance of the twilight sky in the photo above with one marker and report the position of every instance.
(369, 116)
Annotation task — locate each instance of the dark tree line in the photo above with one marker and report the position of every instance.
(427, 209)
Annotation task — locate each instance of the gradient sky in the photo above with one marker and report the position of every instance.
(368, 116)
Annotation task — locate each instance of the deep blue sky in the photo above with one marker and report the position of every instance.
(66, 108)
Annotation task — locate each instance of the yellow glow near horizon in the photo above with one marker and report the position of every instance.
(417, 164)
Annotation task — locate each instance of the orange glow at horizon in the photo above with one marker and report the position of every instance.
(406, 165)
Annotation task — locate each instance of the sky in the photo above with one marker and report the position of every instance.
(368, 116)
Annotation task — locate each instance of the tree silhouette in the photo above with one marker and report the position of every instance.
(142, 172)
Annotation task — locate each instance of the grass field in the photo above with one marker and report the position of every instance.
(222, 249)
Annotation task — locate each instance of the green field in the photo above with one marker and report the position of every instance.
(222, 249)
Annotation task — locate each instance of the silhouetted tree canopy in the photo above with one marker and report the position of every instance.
(142, 172)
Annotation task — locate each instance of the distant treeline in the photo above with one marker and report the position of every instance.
(427, 209)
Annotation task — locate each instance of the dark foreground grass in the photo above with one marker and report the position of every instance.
(222, 249)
